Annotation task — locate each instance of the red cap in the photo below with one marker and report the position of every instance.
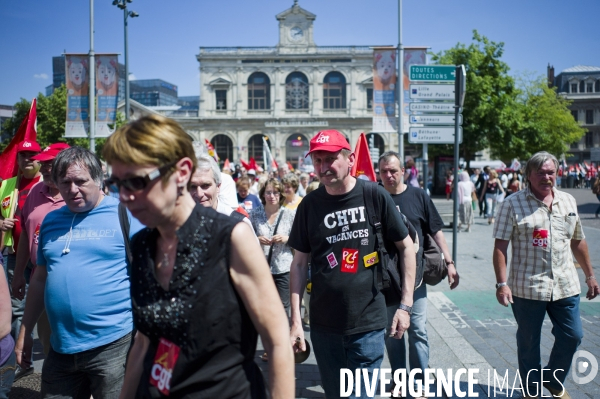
(330, 141)
(28, 145)
(50, 152)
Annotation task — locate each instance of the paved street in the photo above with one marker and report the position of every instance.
(467, 327)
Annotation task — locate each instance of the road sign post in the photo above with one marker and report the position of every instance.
(459, 99)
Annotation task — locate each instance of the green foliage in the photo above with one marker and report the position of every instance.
(543, 121)
(490, 101)
(52, 116)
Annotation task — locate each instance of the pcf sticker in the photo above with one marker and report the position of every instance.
(371, 259)
(332, 260)
(349, 260)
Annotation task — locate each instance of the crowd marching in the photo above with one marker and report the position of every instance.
(157, 278)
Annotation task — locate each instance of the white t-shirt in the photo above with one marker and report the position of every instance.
(227, 193)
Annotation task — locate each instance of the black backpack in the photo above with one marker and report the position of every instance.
(389, 279)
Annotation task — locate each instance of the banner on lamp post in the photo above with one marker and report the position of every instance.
(107, 93)
(77, 78)
(384, 89)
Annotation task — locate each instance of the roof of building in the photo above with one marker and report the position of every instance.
(582, 68)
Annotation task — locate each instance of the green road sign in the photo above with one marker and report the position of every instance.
(432, 73)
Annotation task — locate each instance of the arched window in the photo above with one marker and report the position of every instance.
(296, 91)
(296, 148)
(255, 147)
(259, 91)
(223, 146)
(334, 91)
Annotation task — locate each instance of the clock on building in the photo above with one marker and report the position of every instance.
(296, 34)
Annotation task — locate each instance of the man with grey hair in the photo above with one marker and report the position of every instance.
(206, 185)
(543, 225)
(81, 280)
(303, 184)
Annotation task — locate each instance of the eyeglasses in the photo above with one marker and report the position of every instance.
(136, 183)
(273, 193)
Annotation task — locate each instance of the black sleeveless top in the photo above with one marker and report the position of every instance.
(201, 312)
(492, 188)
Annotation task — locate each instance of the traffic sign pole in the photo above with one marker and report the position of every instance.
(459, 89)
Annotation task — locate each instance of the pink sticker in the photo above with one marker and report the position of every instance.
(332, 260)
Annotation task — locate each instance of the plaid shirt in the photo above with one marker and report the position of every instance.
(542, 266)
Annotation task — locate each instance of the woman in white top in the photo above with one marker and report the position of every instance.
(465, 190)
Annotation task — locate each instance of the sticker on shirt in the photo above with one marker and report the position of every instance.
(164, 363)
(332, 260)
(364, 241)
(349, 260)
(540, 238)
(36, 234)
(371, 259)
(248, 205)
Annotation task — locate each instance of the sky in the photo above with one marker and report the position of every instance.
(165, 39)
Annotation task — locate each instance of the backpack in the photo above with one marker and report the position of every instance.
(434, 265)
(389, 279)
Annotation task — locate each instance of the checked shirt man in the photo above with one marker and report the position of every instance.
(347, 312)
(544, 228)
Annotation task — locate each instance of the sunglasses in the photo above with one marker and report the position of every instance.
(136, 183)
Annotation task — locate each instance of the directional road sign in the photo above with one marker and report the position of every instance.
(431, 92)
(432, 107)
(431, 119)
(433, 135)
(432, 73)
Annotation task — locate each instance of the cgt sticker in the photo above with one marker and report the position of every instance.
(164, 363)
(371, 259)
(349, 260)
(540, 238)
(6, 203)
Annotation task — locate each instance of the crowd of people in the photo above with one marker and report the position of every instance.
(157, 279)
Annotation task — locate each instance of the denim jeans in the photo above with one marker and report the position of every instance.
(336, 351)
(282, 283)
(7, 375)
(418, 354)
(98, 372)
(567, 331)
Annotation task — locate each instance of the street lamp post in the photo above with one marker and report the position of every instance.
(122, 4)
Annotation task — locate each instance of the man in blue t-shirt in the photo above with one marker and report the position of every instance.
(82, 280)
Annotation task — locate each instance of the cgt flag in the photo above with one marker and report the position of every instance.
(363, 165)
(211, 150)
(27, 131)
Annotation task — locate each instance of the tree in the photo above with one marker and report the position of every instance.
(51, 121)
(490, 104)
(544, 122)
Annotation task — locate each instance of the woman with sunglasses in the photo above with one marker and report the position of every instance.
(199, 288)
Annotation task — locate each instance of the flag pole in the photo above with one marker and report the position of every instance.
(92, 85)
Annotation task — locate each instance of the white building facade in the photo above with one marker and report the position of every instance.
(286, 93)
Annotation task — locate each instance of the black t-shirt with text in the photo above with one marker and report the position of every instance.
(335, 230)
(419, 209)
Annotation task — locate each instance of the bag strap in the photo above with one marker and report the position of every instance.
(274, 233)
(124, 222)
(372, 205)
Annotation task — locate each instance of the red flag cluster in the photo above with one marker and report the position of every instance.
(363, 165)
(27, 131)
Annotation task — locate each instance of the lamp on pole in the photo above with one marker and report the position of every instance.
(122, 4)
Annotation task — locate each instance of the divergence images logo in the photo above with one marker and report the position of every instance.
(584, 362)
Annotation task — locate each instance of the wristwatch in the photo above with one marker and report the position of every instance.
(501, 284)
(406, 308)
(450, 263)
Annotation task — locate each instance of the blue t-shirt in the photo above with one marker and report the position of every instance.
(249, 203)
(87, 290)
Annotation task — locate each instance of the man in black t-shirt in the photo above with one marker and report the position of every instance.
(419, 209)
(347, 310)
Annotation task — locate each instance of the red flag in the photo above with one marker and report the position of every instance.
(362, 162)
(245, 165)
(226, 164)
(290, 167)
(252, 164)
(211, 150)
(27, 131)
